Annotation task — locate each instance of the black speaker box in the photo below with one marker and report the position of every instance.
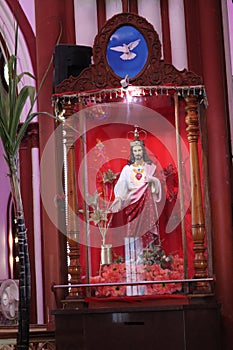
(70, 60)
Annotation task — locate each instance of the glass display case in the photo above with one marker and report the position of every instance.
(128, 196)
(131, 172)
(129, 205)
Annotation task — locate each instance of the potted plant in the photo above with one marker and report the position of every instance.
(12, 106)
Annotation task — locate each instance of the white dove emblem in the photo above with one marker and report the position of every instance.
(126, 49)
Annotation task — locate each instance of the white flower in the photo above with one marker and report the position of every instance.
(98, 216)
(92, 200)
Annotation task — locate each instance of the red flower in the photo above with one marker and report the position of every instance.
(117, 273)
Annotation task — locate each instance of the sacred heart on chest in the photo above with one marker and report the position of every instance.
(138, 176)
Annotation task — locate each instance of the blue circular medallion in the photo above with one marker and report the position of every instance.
(127, 52)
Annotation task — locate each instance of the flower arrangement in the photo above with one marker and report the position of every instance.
(100, 203)
(153, 265)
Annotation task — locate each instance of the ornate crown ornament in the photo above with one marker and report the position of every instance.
(136, 133)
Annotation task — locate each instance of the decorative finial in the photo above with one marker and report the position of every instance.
(136, 133)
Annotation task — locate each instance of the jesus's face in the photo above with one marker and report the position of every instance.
(138, 153)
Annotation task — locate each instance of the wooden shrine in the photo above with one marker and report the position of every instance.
(107, 82)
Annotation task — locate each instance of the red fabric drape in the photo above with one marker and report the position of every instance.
(95, 141)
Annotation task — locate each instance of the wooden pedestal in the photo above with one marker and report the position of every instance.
(184, 327)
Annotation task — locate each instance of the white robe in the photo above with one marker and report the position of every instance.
(130, 190)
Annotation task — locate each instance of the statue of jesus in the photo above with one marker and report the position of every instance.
(137, 193)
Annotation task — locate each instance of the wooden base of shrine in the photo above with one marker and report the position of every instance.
(187, 324)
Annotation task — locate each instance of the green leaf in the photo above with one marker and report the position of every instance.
(4, 108)
(6, 139)
(20, 103)
(21, 75)
(24, 127)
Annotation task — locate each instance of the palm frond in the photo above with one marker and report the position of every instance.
(21, 75)
(25, 93)
(12, 81)
(4, 104)
(5, 137)
(24, 126)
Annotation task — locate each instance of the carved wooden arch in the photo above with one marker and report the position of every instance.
(155, 72)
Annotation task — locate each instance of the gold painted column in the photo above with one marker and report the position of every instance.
(198, 223)
(73, 233)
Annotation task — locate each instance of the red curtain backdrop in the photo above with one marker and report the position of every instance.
(92, 148)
